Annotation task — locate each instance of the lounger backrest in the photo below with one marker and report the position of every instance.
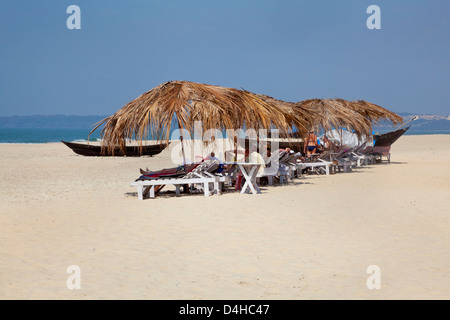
(275, 156)
(288, 159)
(326, 155)
(346, 152)
(281, 155)
(382, 149)
(206, 166)
(340, 152)
(367, 150)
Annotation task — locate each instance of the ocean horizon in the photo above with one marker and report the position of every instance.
(41, 135)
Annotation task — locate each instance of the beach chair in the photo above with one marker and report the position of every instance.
(355, 156)
(319, 163)
(382, 151)
(363, 155)
(343, 159)
(288, 166)
(270, 170)
(203, 174)
(282, 169)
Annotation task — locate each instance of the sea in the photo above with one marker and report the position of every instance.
(40, 135)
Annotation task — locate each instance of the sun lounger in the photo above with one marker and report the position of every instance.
(270, 171)
(363, 155)
(319, 162)
(382, 151)
(343, 160)
(288, 166)
(319, 165)
(202, 175)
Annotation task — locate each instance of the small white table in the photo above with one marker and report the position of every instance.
(249, 171)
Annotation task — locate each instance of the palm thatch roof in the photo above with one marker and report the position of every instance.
(357, 116)
(325, 113)
(185, 102)
(290, 107)
(372, 111)
(333, 113)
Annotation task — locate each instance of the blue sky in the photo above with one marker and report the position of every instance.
(291, 50)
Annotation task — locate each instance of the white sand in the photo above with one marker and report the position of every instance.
(311, 239)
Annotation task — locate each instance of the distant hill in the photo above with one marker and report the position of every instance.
(50, 122)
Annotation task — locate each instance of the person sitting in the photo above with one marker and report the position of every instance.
(287, 150)
(212, 156)
(328, 144)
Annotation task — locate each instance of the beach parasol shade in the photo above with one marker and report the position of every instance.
(303, 115)
(372, 111)
(331, 113)
(183, 103)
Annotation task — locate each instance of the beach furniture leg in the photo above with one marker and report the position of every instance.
(145, 191)
(250, 181)
(140, 193)
(217, 187)
(152, 192)
(327, 169)
(206, 189)
(246, 178)
(255, 186)
(245, 187)
(177, 189)
(253, 180)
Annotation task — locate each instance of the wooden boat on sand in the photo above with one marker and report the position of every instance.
(130, 151)
(388, 138)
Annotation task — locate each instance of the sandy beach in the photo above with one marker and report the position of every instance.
(311, 239)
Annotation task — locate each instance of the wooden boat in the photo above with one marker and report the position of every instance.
(131, 151)
(388, 138)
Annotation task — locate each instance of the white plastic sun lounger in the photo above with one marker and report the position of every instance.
(283, 168)
(322, 164)
(201, 175)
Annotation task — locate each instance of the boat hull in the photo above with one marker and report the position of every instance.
(130, 151)
(387, 139)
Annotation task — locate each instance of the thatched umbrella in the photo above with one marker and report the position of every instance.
(185, 102)
(371, 111)
(330, 113)
(291, 107)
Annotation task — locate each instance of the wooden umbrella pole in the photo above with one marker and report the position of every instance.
(181, 139)
(235, 140)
